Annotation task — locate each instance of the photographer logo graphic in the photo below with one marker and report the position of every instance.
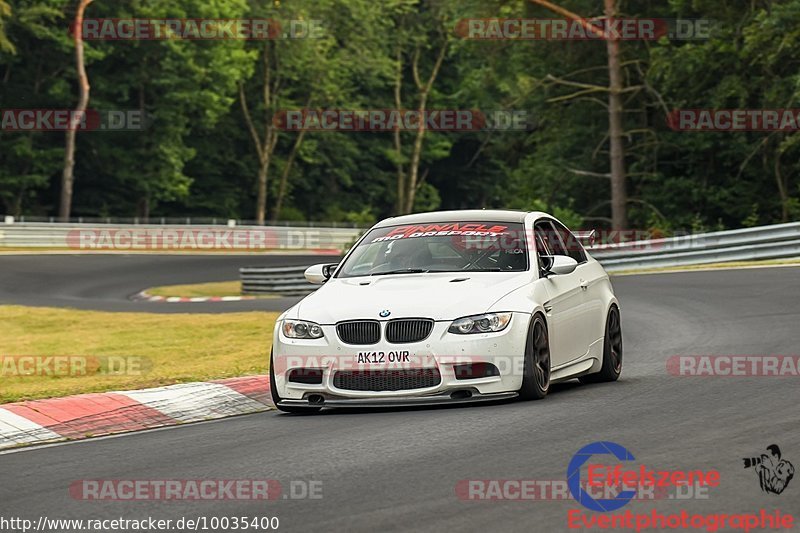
(574, 476)
(774, 473)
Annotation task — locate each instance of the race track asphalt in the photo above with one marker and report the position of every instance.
(105, 282)
(396, 470)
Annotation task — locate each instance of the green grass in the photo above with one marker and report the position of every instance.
(218, 288)
(175, 348)
(197, 290)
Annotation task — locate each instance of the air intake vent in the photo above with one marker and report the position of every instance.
(408, 330)
(387, 380)
(359, 331)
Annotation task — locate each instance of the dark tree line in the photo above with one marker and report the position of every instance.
(597, 152)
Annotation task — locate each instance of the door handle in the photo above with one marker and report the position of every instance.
(584, 285)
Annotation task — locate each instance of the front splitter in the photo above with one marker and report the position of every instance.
(440, 399)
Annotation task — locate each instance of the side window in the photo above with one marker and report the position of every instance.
(543, 234)
(572, 245)
(551, 238)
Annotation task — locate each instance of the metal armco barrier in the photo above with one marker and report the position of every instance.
(151, 237)
(766, 242)
(287, 281)
(778, 241)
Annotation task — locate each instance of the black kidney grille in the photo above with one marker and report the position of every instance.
(387, 380)
(359, 331)
(408, 330)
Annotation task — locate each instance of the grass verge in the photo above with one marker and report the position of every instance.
(172, 348)
(196, 290)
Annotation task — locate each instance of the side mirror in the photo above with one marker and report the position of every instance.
(319, 274)
(562, 264)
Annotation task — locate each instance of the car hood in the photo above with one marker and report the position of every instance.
(442, 296)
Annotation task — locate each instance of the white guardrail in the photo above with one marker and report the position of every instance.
(286, 281)
(765, 242)
(177, 237)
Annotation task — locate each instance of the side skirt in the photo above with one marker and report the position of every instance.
(585, 364)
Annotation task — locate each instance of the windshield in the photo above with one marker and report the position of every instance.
(441, 247)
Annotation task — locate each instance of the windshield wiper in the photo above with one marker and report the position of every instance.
(401, 271)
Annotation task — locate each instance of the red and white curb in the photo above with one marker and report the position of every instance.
(93, 415)
(144, 296)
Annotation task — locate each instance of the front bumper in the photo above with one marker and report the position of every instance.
(403, 401)
(442, 351)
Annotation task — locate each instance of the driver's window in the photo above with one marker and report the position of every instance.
(552, 238)
(543, 250)
(573, 246)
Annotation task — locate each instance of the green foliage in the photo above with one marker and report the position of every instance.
(5, 44)
(196, 156)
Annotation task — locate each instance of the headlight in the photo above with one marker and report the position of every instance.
(300, 329)
(480, 323)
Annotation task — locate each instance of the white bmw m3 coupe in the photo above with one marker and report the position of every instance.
(448, 307)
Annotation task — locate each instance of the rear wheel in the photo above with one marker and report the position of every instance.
(612, 351)
(536, 370)
(273, 390)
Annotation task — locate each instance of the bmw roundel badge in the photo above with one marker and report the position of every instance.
(385, 313)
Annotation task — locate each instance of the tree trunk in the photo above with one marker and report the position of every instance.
(416, 155)
(143, 208)
(285, 174)
(261, 202)
(619, 198)
(264, 148)
(67, 176)
(424, 90)
(400, 201)
(783, 187)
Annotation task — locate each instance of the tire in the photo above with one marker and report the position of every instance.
(273, 390)
(536, 370)
(612, 351)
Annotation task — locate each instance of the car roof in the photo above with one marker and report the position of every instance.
(459, 215)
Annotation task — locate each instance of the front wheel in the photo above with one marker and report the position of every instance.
(536, 370)
(612, 351)
(273, 390)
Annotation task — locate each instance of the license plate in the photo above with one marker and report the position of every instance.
(382, 357)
